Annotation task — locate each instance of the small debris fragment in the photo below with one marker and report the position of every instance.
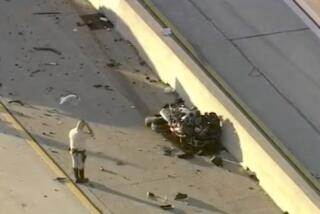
(151, 195)
(167, 207)
(80, 24)
(185, 156)
(45, 196)
(254, 177)
(34, 72)
(180, 196)
(120, 163)
(102, 169)
(107, 87)
(167, 31)
(169, 90)
(142, 62)
(16, 101)
(97, 86)
(167, 151)
(54, 151)
(47, 49)
(68, 98)
(51, 63)
(217, 161)
(46, 13)
(61, 179)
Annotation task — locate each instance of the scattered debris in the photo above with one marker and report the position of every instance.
(49, 89)
(218, 161)
(68, 98)
(61, 179)
(80, 24)
(54, 151)
(167, 31)
(48, 115)
(180, 196)
(96, 21)
(16, 101)
(97, 86)
(167, 151)
(47, 49)
(142, 62)
(151, 195)
(113, 64)
(185, 156)
(107, 87)
(254, 177)
(102, 169)
(169, 90)
(51, 63)
(120, 163)
(36, 71)
(46, 13)
(167, 207)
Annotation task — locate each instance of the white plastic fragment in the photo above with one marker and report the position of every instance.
(104, 19)
(52, 63)
(69, 98)
(166, 31)
(169, 90)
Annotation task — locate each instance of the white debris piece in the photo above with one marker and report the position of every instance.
(166, 31)
(104, 19)
(51, 63)
(169, 90)
(69, 98)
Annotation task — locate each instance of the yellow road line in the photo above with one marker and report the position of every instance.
(85, 201)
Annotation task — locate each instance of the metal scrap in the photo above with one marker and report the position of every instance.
(193, 129)
(16, 101)
(47, 49)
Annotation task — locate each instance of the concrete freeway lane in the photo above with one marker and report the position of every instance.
(267, 55)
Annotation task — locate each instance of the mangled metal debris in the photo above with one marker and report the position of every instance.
(192, 129)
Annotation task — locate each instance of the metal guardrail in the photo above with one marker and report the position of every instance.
(226, 89)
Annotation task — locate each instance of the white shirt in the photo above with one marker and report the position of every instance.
(78, 139)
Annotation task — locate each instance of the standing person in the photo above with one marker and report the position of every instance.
(78, 137)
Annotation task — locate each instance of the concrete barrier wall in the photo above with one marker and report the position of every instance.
(277, 176)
